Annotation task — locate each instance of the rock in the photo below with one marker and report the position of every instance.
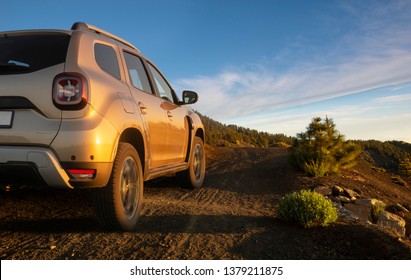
(369, 202)
(350, 193)
(344, 199)
(349, 215)
(325, 191)
(363, 212)
(392, 222)
(401, 208)
(336, 199)
(337, 190)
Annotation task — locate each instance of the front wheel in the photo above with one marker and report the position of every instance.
(118, 204)
(193, 177)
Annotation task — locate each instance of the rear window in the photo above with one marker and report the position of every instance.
(21, 54)
(106, 58)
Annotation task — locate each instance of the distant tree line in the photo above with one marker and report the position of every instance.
(221, 134)
(388, 154)
(394, 156)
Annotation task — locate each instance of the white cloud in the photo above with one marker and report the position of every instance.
(241, 93)
(376, 55)
(394, 98)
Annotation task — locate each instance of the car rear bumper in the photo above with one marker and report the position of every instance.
(40, 166)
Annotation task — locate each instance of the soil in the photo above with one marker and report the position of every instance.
(233, 216)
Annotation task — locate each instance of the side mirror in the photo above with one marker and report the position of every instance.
(189, 97)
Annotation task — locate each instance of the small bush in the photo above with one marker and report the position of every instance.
(309, 209)
(375, 212)
(315, 168)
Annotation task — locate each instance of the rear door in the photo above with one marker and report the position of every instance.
(150, 106)
(177, 125)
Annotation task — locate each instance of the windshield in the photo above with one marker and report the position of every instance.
(21, 54)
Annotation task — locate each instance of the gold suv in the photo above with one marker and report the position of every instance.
(83, 108)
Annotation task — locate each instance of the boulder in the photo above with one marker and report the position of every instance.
(369, 202)
(337, 190)
(363, 212)
(325, 191)
(350, 193)
(336, 199)
(401, 208)
(392, 222)
(344, 199)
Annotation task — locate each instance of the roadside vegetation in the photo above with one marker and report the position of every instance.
(218, 134)
(322, 149)
(392, 156)
(307, 208)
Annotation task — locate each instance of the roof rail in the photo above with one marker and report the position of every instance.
(85, 26)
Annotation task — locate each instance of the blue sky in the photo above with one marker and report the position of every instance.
(271, 65)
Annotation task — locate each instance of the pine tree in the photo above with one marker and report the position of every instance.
(322, 150)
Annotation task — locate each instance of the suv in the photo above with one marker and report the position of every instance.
(83, 108)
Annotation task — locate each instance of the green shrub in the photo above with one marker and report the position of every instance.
(375, 212)
(315, 168)
(309, 209)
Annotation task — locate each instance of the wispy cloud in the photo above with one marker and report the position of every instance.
(394, 99)
(240, 93)
(376, 54)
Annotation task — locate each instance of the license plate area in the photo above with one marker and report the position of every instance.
(6, 119)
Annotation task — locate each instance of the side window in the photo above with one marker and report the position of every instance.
(163, 88)
(107, 60)
(138, 75)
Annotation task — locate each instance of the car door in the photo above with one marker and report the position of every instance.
(151, 110)
(177, 128)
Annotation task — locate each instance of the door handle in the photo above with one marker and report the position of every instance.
(143, 108)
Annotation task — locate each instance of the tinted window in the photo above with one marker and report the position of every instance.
(138, 75)
(106, 58)
(162, 86)
(29, 53)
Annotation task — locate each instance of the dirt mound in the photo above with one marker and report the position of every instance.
(233, 216)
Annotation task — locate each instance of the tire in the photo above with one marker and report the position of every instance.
(193, 177)
(118, 205)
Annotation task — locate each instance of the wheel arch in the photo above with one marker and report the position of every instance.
(192, 134)
(134, 137)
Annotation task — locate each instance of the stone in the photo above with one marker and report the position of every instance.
(325, 191)
(337, 190)
(336, 199)
(401, 208)
(363, 212)
(350, 193)
(392, 222)
(344, 199)
(369, 202)
(344, 212)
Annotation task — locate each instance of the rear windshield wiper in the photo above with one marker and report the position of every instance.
(13, 67)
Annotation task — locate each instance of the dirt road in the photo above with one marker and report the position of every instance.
(232, 217)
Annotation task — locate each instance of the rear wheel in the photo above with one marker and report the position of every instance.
(118, 204)
(193, 177)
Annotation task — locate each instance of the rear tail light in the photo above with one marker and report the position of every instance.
(82, 173)
(70, 91)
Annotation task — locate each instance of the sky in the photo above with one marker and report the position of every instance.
(269, 65)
